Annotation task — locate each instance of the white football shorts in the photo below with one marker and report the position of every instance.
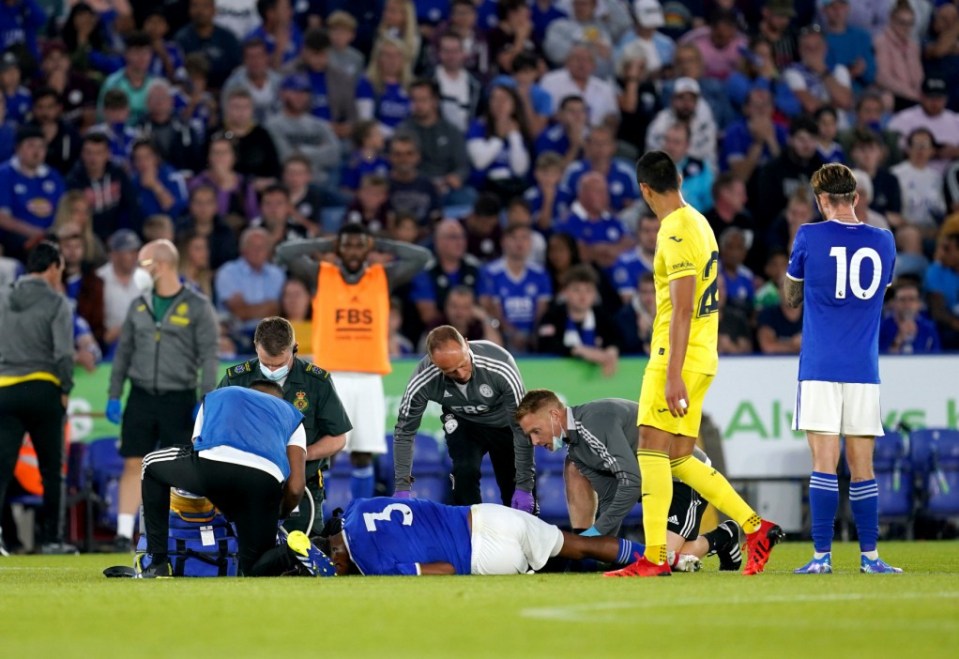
(365, 404)
(838, 408)
(507, 541)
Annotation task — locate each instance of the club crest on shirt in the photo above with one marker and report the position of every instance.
(240, 369)
(485, 390)
(301, 402)
(450, 424)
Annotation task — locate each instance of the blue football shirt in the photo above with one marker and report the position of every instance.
(517, 296)
(391, 536)
(845, 269)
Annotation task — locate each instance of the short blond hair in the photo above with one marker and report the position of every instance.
(534, 401)
(340, 19)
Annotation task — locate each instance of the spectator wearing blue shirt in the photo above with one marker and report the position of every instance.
(20, 24)
(740, 290)
(905, 330)
(221, 47)
(600, 151)
(542, 13)
(333, 91)
(29, 194)
(167, 59)
(161, 190)
(590, 221)
(281, 35)
(16, 98)
(567, 135)
(826, 145)
(382, 92)
(941, 286)
(754, 140)
(537, 102)
(116, 114)
(849, 46)
(544, 199)
(697, 186)
(368, 158)
(249, 288)
(514, 291)
(633, 264)
(452, 267)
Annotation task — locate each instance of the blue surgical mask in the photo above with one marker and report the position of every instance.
(559, 441)
(276, 375)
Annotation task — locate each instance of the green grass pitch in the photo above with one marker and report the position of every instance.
(62, 607)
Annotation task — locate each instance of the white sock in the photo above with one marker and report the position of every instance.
(871, 555)
(819, 555)
(125, 523)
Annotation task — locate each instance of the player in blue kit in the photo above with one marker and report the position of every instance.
(384, 536)
(840, 268)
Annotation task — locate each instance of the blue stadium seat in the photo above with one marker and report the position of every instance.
(489, 490)
(943, 481)
(337, 493)
(921, 449)
(551, 493)
(435, 487)
(547, 460)
(635, 516)
(104, 466)
(893, 477)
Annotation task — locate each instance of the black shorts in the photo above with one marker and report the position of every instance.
(155, 421)
(685, 511)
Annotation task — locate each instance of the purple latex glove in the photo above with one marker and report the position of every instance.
(522, 501)
(403, 494)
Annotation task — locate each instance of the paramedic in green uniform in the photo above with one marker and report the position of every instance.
(310, 389)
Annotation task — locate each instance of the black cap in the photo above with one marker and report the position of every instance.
(934, 87)
(28, 133)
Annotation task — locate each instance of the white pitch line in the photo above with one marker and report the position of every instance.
(595, 611)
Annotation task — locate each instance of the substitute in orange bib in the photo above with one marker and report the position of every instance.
(351, 310)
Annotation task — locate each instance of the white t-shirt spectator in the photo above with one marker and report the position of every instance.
(599, 95)
(923, 202)
(238, 16)
(117, 296)
(945, 126)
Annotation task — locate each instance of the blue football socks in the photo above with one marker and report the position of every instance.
(362, 482)
(864, 501)
(628, 551)
(823, 504)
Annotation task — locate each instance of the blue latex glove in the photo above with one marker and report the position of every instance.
(591, 532)
(522, 501)
(114, 411)
(403, 494)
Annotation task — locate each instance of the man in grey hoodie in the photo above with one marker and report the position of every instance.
(36, 376)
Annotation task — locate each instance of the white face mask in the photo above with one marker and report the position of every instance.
(559, 442)
(143, 280)
(276, 375)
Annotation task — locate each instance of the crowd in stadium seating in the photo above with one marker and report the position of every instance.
(499, 134)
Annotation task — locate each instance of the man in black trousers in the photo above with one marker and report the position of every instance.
(36, 376)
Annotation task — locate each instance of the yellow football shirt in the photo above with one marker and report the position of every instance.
(686, 246)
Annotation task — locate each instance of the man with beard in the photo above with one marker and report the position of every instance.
(351, 310)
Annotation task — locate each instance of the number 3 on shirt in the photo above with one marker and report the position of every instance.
(709, 302)
(853, 268)
(384, 516)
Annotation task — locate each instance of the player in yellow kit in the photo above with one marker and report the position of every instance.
(682, 364)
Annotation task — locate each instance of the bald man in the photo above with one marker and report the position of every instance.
(168, 337)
